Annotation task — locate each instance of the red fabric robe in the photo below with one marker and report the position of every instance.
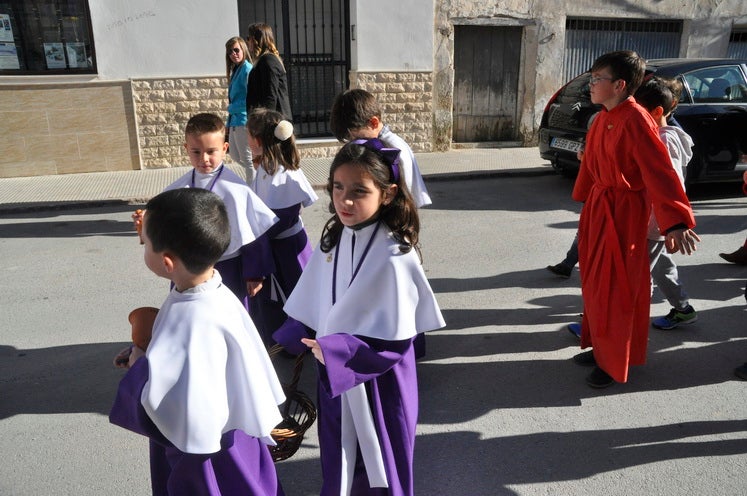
(625, 172)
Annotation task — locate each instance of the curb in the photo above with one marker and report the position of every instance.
(21, 208)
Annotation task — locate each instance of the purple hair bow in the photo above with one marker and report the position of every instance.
(390, 155)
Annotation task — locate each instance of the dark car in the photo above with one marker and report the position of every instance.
(712, 110)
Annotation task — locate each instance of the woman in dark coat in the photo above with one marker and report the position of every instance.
(268, 83)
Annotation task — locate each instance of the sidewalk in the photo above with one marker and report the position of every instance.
(23, 194)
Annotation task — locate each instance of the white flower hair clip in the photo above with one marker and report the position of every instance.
(283, 130)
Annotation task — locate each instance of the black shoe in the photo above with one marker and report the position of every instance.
(586, 358)
(561, 270)
(599, 379)
(738, 257)
(741, 372)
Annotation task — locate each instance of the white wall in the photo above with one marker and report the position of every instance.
(392, 35)
(143, 38)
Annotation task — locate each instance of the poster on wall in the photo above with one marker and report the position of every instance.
(55, 55)
(6, 31)
(76, 54)
(9, 56)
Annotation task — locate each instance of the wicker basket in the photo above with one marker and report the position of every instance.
(299, 414)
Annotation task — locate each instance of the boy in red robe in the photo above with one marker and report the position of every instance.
(624, 173)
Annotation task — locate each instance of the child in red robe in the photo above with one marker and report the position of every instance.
(626, 171)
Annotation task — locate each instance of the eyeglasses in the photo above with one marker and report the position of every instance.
(234, 50)
(595, 79)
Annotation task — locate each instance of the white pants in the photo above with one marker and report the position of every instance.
(238, 148)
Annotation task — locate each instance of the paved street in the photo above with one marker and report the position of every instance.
(503, 409)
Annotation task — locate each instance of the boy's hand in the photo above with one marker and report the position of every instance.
(121, 360)
(682, 240)
(315, 349)
(253, 286)
(137, 352)
(137, 219)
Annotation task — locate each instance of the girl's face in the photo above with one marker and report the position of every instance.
(236, 54)
(355, 196)
(255, 145)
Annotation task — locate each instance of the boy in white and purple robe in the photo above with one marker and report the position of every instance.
(248, 259)
(204, 392)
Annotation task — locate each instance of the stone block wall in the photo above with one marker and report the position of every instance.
(406, 100)
(162, 109)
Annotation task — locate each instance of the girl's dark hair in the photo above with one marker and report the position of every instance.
(263, 124)
(190, 223)
(400, 215)
(264, 40)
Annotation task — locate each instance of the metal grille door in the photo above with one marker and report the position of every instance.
(313, 39)
(587, 39)
(737, 45)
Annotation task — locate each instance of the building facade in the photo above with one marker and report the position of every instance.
(100, 86)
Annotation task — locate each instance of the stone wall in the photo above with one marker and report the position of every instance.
(406, 100)
(162, 109)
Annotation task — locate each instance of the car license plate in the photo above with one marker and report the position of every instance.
(564, 144)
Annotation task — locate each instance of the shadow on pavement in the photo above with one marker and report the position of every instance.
(63, 224)
(464, 463)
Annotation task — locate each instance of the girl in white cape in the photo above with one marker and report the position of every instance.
(366, 297)
(281, 185)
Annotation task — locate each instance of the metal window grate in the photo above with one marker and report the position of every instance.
(737, 48)
(587, 39)
(313, 39)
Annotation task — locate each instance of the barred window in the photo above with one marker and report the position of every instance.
(737, 45)
(46, 37)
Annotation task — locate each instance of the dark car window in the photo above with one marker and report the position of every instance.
(577, 89)
(717, 85)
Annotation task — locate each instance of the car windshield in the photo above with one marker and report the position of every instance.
(723, 84)
(577, 88)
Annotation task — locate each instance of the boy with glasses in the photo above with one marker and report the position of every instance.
(625, 171)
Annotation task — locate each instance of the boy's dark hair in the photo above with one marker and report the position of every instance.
(675, 86)
(261, 123)
(190, 223)
(655, 93)
(400, 215)
(200, 124)
(352, 109)
(624, 64)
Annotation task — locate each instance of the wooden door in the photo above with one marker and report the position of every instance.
(486, 81)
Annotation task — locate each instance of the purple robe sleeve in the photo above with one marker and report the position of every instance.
(128, 411)
(256, 258)
(352, 360)
(289, 336)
